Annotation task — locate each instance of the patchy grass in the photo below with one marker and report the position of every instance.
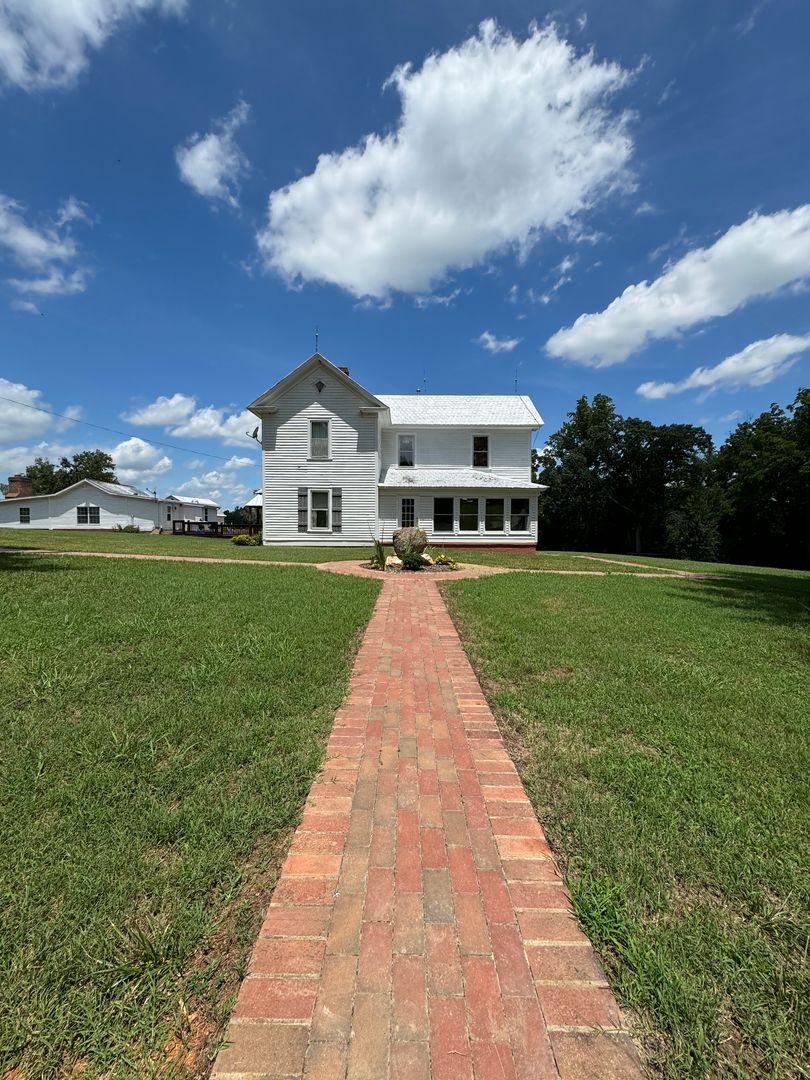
(160, 726)
(662, 728)
(167, 544)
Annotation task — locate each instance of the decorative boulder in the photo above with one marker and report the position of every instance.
(415, 539)
(393, 563)
(426, 559)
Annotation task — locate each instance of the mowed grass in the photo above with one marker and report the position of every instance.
(168, 544)
(662, 729)
(160, 726)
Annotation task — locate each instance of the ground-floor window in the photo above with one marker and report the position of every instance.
(320, 510)
(168, 513)
(205, 513)
(468, 515)
(443, 515)
(493, 517)
(407, 513)
(519, 515)
(25, 515)
(88, 515)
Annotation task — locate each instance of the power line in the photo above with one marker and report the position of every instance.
(115, 431)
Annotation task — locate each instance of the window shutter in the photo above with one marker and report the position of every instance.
(337, 509)
(302, 509)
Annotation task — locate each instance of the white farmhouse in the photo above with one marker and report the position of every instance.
(93, 504)
(341, 465)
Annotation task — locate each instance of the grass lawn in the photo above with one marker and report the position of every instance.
(167, 544)
(662, 729)
(160, 726)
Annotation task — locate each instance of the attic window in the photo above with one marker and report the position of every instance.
(319, 386)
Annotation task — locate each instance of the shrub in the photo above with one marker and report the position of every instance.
(411, 559)
(126, 528)
(443, 559)
(245, 540)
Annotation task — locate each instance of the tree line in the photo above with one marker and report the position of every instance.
(622, 484)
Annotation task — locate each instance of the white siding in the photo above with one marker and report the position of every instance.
(510, 449)
(59, 511)
(354, 464)
(390, 507)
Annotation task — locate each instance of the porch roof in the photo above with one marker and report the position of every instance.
(460, 479)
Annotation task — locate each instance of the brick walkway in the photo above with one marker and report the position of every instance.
(419, 928)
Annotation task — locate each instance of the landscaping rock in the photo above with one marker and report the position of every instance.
(426, 559)
(415, 539)
(393, 563)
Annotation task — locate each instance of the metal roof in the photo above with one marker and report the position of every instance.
(394, 477)
(462, 410)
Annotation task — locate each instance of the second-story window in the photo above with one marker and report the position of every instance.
(406, 450)
(480, 455)
(319, 440)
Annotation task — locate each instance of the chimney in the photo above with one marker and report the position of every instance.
(345, 370)
(19, 487)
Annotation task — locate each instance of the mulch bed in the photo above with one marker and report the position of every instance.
(421, 570)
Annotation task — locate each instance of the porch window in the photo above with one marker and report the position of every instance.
(205, 512)
(443, 515)
(406, 451)
(468, 515)
(493, 518)
(407, 513)
(519, 515)
(320, 511)
(25, 515)
(319, 440)
(480, 456)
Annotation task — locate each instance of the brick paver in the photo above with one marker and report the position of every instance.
(420, 929)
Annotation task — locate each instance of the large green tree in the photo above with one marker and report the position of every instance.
(46, 478)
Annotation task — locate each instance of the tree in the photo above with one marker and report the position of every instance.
(47, 478)
(42, 475)
(237, 516)
(577, 465)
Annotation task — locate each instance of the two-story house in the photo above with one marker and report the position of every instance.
(341, 465)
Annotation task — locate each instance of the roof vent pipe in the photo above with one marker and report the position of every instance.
(345, 370)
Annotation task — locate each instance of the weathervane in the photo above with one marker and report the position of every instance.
(316, 338)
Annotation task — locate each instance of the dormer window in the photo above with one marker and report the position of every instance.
(319, 440)
(406, 451)
(480, 454)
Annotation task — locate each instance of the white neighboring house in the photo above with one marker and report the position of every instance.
(93, 504)
(340, 465)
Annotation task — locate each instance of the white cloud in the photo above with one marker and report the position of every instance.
(729, 418)
(164, 410)
(137, 461)
(182, 418)
(494, 344)
(48, 250)
(763, 255)
(225, 488)
(240, 462)
(212, 164)
(437, 299)
(23, 421)
(44, 43)
(498, 140)
(25, 305)
(756, 365)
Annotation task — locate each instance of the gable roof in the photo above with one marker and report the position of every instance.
(315, 363)
(186, 500)
(124, 490)
(462, 410)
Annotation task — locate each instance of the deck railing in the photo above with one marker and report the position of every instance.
(213, 529)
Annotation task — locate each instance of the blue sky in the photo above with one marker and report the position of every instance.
(607, 197)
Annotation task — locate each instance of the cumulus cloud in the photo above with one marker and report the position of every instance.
(181, 417)
(45, 43)
(756, 365)
(137, 461)
(47, 252)
(212, 164)
(20, 418)
(499, 140)
(763, 255)
(497, 345)
(222, 486)
(164, 410)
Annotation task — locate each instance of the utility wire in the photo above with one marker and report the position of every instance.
(115, 431)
